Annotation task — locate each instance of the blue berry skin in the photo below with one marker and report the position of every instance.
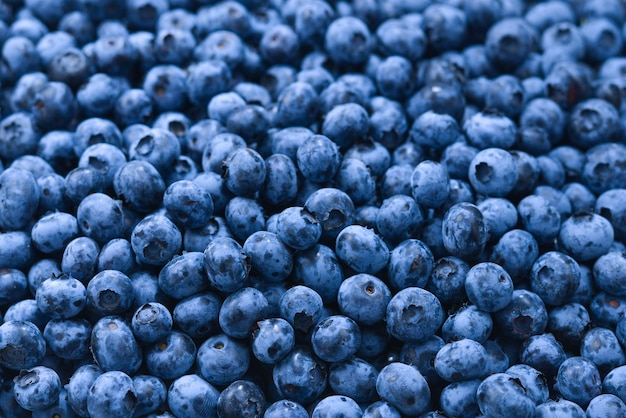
(493, 172)
(191, 396)
(96, 131)
(489, 286)
(404, 387)
(460, 360)
(221, 359)
(319, 269)
(155, 239)
(345, 124)
(166, 86)
(318, 159)
(468, 322)
(170, 357)
(501, 394)
(606, 405)
(348, 41)
(380, 409)
(106, 158)
(301, 376)
(332, 208)
(36, 388)
(226, 264)
(399, 218)
(602, 170)
(499, 214)
(41, 270)
(281, 181)
(515, 251)
(80, 258)
(116, 254)
(422, 356)
(525, 316)
(395, 78)
(533, 380)
(141, 199)
(269, 256)
(355, 178)
(297, 105)
(272, 340)
(132, 106)
(13, 285)
(601, 346)
(430, 184)
(241, 310)
(159, 147)
(488, 129)
(506, 95)
(355, 378)
(151, 393)
(457, 158)
(464, 231)
(52, 194)
(114, 346)
(434, 130)
(243, 172)
(151, 322)
(559, 408)
(540, 218)
(21, 345)
(511, 30)
(61, 297)
(52, 232)
(578, 380)
(188, 204)
(410, 264)
(445, 27)
(459, 398)
(297, 228)
(197, 315)
(110, 292)
(336, 338)
(606, 310)
(592, 122)
(447, 280)
(146, 289)
(19, 197)
(555, 276)
(302, 307)
(68, 338)
(569, 323)
(613, 382)
(285, 408)
(362, 249)
(374, 154)
(81, 182)
(397, 180)
(112, 393)
(363, 298)
(16, 250)
(610, 205)
(26, 310)
(241, 398)
(337, 404)
(608, 273)
(78, 387)
(413, 314)
(244, 216)
(544, 353)
(183, 275)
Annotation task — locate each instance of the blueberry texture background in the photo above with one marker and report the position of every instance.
(270, 208)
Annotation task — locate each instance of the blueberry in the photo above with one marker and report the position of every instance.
(108, 292)
(241, 398)
(569, 323)
(336, 338)
(221, 359)
(171, 356)
(301, 376)
(525, 316)
(502, 393)
(151, 322)
(241, 310)
(68, 338)
(610, 205)
(533, 380)
(355, 178)
(413, 314)
(285, 407)
(608, 271)
(560, 408)
(272, 340)
(448, 364)
(112, 393)
(509, 41)
(114, 346)
(578, 380)
(464, 231)
(151, 393)
(337, 404)
(468, 322)
(142, 199)
(116, 254)
(447, 281)
(361, 249)
(459, 398)
(489, 286)
(381, 409)
(348, 41)
(36, 388)
(244, 216)
(197, 315)
(19, 197)
(61, 296)
(540, 218)
(332, 208)
(319, 269)
(403, 387)
(601, 346)
(544, 353)
(268, 255)
(155, 239)
(78, 387)
(493, 172)
(184, 275)
(297, 228)
(297, 105)
(606, 404)
(554, 277)
(606, 309)
(302, 307)
(226, 264)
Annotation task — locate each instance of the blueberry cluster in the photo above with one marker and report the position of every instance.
(325, 208)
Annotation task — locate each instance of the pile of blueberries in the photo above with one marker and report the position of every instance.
(326, 208)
